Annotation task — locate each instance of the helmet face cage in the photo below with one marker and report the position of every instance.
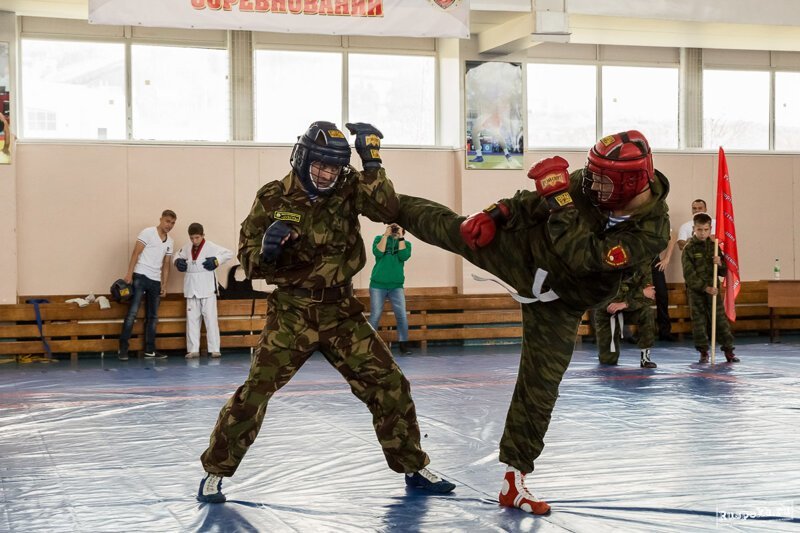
(322, 142)
(619, 167)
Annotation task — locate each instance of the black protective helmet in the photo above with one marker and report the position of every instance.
(322, 142)
(121, 291)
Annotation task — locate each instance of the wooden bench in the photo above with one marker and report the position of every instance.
(435, 314)
(457, 317)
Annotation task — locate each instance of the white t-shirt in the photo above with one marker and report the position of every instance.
(152, 257)
(685, 233)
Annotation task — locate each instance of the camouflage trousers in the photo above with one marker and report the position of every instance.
(642, 317)
(549, 329)
(700, 308)
(295, 328)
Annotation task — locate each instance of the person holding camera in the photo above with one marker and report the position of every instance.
(391, 251)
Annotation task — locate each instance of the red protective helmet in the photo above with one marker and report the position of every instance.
(619, 167)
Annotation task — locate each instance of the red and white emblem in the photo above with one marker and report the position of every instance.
(617, 256)
(444, 4)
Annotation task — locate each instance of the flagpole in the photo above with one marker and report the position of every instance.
(714, 304)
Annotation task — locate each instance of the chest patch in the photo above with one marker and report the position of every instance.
(617, 256)
(285, 215)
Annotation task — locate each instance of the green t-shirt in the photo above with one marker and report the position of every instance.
(388, 270)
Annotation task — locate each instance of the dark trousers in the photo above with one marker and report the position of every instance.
(143, 287)
(662, 300)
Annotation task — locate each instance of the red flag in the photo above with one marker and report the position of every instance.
(726, 235)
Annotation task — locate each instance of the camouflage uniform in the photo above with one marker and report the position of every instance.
(698, 272)
(639, 312)
(327, 254)
(585, 262)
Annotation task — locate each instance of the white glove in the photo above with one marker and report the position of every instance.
(80, 301)
(90, 298)
(103, 302)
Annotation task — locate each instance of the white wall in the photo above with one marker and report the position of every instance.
(79, 207)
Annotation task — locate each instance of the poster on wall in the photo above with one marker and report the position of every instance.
(493, 98)
(5, 105)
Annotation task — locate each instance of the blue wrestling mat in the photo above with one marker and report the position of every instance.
(109, 446)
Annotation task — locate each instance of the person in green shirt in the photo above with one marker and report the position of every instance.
(391, 251)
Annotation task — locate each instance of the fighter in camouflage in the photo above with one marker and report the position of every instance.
(303, 235)
(564, 249)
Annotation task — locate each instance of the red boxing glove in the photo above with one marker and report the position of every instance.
(552, 182)
(478, 230)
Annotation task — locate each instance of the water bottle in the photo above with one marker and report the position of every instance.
(776, 270)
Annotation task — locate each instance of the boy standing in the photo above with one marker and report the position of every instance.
(148, 271)
(698, 271)
(199, 259)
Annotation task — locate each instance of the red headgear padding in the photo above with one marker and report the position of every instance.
(621, 165)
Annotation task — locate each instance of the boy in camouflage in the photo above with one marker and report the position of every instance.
(631, 305)
(698, 262)
(302, 235)
(565, 249)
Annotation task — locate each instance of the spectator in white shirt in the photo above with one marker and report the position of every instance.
(148, 271)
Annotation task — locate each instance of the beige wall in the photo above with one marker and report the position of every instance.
(79, 207)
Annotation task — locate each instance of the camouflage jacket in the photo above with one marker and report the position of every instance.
(329, 250)
(698, 264)
(585, 259)
(631, 290)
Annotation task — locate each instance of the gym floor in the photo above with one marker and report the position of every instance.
(102, 445)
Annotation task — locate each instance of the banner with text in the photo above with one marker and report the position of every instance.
(401, 18)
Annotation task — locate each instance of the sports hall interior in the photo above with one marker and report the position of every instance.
(87, 444)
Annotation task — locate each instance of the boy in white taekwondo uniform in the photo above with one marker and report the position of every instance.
(199, 258)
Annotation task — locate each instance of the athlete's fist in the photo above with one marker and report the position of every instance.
(552, 181)
(478, 230)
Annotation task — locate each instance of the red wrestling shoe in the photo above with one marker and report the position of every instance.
(515, 494)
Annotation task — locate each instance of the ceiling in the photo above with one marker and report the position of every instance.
(504, 26)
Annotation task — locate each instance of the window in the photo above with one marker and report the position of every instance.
(644, 99)
(735, 109)
(396, 94)
(180, 94)
(294, 89)
(561, 105)
(787, 111)
(72, 90)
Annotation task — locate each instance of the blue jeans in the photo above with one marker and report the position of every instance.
(142, 286)
(397, 298)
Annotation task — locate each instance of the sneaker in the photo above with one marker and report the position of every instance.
(426, 480)
(210, 490)
(478, 159)
(122, 356)
(516, 494)
(404, 348)
(703, 356)
(645, 360)
(154, 355)
(216, 355)
(192, 355)
(730, 356)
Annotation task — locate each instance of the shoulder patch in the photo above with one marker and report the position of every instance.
(285, 215)
(617, 256)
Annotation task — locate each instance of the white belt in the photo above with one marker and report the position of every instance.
(536, 289)
(616, 317)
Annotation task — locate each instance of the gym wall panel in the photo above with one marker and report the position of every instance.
(80, 206)
(195, 182)
(72, 204)
(8, 233)
(430, 174)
